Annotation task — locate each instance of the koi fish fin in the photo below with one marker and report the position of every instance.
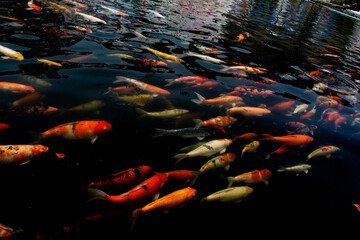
(141, 112)
(223, 151)
(328, 156)
(227, 168)
(170, 82)
(282, 169)
(197, 122)
(37, 136)
(179, 157)
(203, 202)
(196, 176)
(121, 79)
(199, 100)
(266, 182)
(23, 163)
(231, 181)
(200, 138)
(156, 196)
(136, 213)
(267, 137)
(306, 171)
(159, 132)
(93, 140)
(96, 194)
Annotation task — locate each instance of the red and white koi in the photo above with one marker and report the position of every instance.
(247, 69)
(219, 101)
(33, 6)
(256, 176)
(222, 161)
(323, 151)
(215, 122)
(143, 86)
(20, 154)
(78, 130)
(149, 189)
(254, 91)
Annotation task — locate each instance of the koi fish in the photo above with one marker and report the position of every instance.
(84, 29)
(143, 86)
(16, 87)
(156, 13)
(9, 53)
(323, 151)
(357, 206)
(248, 69)
(126, 178)
(222, 161)
(38, 82)
(206, 58)
(247, 136)
(256, 176)
(30, 99)
(167, 202)
(283, 106)
(30, 111)
(92, 106)
(219, 101)
(248, 111)
(121, 55)
(33, 6)
(215, 122)
(205, 85)
(254, 91)
(300, 109)
(20, 154)
(114, 11)
(199, 133)
(289, 140)
(163, 114)
(187, 80)
(330, 115)
(138, 100)
(6, 231)
(251, 147)
(78, 130)
(165, 55)
(4, 126)
(207, 149)
(90, 18)
(50, 63)
(150, 62)
(233, 194)
(299, 128)
(150, 188)
(182, 175)
(122, 90)
(297, 168)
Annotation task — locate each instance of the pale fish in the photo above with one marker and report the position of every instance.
(138, 100)
(206, 58)
(9, 53)
(233, 195)
(162, 114)
(323, 151)
(297, 168)
(91, 18)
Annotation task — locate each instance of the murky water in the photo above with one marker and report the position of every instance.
(294, 44)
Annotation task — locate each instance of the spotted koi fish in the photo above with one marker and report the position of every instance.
(215, 122)
(222, 161)
(125, 178)
(148, 189)
(78, 130)
(251, 177)
(20, 154)
(323, 151)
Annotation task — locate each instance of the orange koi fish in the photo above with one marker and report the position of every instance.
(20, 154)
(251, 177)
(330, 115)
(289, 140)
(125, 178)
(248, 111)
(30, 99)
(205, 85)
(215, 122)
(168, 202)
(33, 6)
(122, 90)
(16, 87)
(247, 136)
(182, 175)
(143, 86)
(283, 106)
(50, 63)
(78, 130)
(219, 101)
(153, 62)
(150, 188)
(357, 206)
(3, 126)
(6, 231)
(188, 80)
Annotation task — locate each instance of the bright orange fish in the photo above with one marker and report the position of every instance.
(219, 101)
(215, 122)
(283, 106)
(20, 154)
(247, 136)
(125, 178)
(150, 188)
(16, 87)
(3, 126)
(182, 175)
(248, 111)
(289, 140)
(78, 130)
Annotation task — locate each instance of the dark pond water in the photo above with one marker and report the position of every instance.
(299, 43)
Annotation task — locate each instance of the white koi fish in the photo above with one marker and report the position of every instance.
(91, 18)
(9, 53)
(207, 149)
(206, 58)
(297, 168)
(323, 151)
(114, 11)
(156, 13)
(233, 194)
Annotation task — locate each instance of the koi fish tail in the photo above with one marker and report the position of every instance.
(121, 79)
(197, 122)
(179, 157)
(136, 213)
(231, 181)
(141, 112)
(267, 137)
(96, 194)
(203, 202)
(199, 100)
(282, 169)
(108, 91)
(170, 82)
(193, 181)
(36, 136)
(159, 132)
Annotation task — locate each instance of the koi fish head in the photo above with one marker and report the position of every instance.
(39, 149)
(266, 173)
(102, 127)
(227, 142)
(190, 193)
(18, 56)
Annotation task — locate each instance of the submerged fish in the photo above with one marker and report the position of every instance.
(199, 133)
(163, 114)
(219, 101)
(248, 111)
(91, 106)
(256, 176)
(90, 18)
(297, 168)
(206, 150)
(289, 140)
(165, 55)
(50, 63)
(215, 122)
(9, 53)
(206, 58)
(228, 195)
(20, 154)
(16, 87)
(143, 86)
(139, 100)
(323, 151)
(251, 147)
(222, 161)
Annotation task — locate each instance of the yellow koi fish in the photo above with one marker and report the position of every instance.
(50, 63)
(165, 55)
(9, 53)
(251, 147)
